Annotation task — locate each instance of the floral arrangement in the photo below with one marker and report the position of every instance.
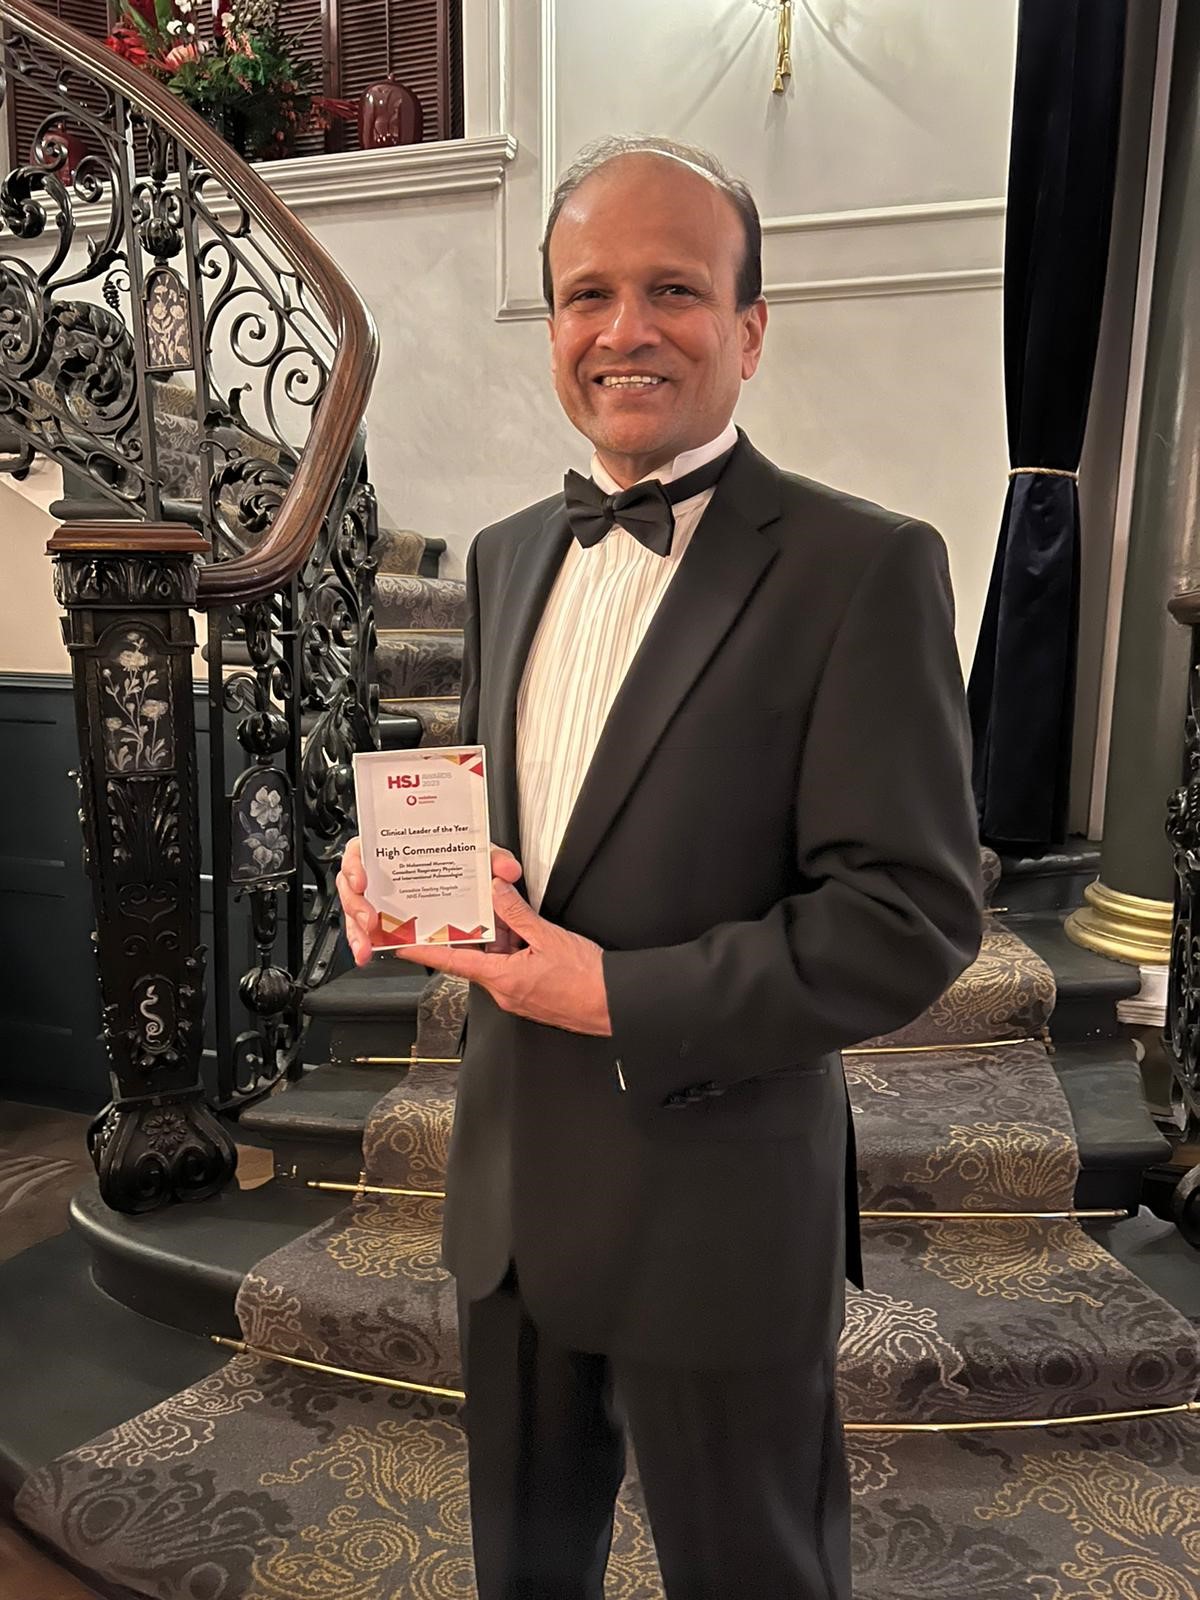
(247, 80)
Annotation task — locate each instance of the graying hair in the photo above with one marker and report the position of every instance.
(599, 153)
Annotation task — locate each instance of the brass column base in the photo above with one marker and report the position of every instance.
(1123, 926)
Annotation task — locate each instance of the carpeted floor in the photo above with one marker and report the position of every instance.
(43, 1161)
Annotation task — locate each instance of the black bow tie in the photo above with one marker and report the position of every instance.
(646, 510)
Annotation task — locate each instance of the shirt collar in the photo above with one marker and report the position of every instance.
(684, 463)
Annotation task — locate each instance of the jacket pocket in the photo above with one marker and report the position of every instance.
(776, 1105)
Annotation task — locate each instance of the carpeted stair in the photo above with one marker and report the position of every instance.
(268, 1482)
(418, 659)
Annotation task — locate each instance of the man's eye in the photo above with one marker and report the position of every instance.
(677, 289)
(585, 294)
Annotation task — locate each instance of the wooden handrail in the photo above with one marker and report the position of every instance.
(339, 412)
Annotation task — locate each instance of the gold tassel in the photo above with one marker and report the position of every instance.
(783, 59)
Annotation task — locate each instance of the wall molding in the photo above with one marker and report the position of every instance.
(352, 178)
(953, 280)
(448, 166)
(885, 216)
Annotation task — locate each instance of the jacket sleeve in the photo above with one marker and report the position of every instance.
(887, 849)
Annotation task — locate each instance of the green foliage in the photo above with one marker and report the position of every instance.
(250, 83)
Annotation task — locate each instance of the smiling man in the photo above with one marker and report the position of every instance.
(734, 835)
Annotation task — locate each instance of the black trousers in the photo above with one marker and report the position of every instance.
(743, 1472)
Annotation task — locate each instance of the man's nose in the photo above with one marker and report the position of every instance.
(630, 325)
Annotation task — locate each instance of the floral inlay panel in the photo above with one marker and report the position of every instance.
(135, 698)
(260, 836)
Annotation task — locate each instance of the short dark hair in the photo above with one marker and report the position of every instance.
(598, 154)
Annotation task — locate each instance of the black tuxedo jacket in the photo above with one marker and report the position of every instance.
(775, 846)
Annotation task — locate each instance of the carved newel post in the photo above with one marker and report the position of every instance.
(128, 589)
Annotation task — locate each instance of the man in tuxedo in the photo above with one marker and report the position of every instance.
(734, 835)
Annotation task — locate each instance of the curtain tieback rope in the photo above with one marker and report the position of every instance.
(1045, 472)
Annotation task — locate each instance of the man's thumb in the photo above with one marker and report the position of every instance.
(513, 907)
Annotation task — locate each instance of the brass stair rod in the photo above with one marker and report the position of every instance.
(859, 1050)
(923, 1049)
(1184, 1408)
(374, 1188)
(405, 1061)
(992, 1216)
(866, 1216)
(245, 1349)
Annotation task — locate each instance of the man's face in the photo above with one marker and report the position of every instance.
(648, 347)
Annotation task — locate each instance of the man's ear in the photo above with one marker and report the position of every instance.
(754, 328)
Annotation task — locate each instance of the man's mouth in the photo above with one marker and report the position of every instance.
(636, 380)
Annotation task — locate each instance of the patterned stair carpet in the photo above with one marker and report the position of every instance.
(268, 1482)
(404, 600)
(419, 664)
(438, 715)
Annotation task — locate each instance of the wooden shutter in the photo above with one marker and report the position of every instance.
(418, 41)
(308, 23)
(353, 43)
(26, 108)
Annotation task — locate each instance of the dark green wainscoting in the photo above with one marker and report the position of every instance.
(50, 1047)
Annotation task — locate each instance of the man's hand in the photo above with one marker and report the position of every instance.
(533, 969)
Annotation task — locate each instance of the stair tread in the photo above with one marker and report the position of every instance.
(1103, 1086)
(1078, 853)
(1077, 971)
(185, 1264)
(106, 1362)
(1013, 1317)
(384, 988)
(330, 1101)
(1156, 1252)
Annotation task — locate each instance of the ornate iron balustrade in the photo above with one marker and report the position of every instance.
(172, 335)
(1183, 995)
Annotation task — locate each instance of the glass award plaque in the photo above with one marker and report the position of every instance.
(426, 845)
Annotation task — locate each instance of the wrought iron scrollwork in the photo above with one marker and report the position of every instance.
(163, 346)
(337, 646)
(1183, 830)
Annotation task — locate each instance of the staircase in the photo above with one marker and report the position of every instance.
(277, 1478)
(1020, 1375)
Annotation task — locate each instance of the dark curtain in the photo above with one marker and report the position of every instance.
(1066, 116)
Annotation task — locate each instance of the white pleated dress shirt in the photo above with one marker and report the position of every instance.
(603, 600)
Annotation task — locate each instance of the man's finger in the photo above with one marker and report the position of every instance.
(352, 865)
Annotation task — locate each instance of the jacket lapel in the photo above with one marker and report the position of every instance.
(530, 579)
(720, 570)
